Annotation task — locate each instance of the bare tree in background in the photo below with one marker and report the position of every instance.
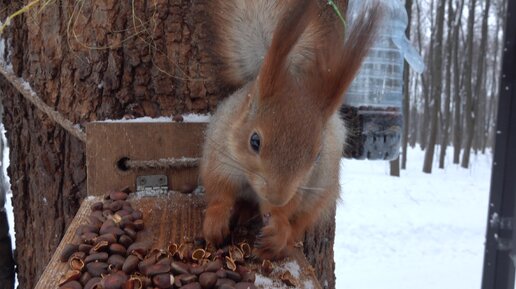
(406, 94)
(446, 116)
(457, 115)
(437, 64)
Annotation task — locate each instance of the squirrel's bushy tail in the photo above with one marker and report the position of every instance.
(243, 31)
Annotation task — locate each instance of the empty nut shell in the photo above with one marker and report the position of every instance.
(72, 275)
(198, 254)
(133, 283)
(230, 264)
(100, 246)
(246, 249)
(289, 280)
(267, 267)
(236, 254)
(172, 249)
(76, 263)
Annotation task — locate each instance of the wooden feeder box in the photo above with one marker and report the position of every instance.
(169, 216)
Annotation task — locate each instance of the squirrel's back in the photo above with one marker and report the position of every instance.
(243, 30)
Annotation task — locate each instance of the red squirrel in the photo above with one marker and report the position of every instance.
(277, 141)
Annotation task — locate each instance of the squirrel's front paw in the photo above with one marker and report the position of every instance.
(216, 223)
(271, 242)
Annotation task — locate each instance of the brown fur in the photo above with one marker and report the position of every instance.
(291, 103)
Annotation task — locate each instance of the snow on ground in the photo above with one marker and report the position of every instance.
(418, 231)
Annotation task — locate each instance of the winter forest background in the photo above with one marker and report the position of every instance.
(454, 102)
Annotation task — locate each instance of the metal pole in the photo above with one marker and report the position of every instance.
(500, 246)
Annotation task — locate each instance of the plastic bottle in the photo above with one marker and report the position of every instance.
(374, 100)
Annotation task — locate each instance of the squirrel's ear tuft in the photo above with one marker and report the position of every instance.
(338, 60)
(274, 71)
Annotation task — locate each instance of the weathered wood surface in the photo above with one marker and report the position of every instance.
(168, 217)
(108, 142)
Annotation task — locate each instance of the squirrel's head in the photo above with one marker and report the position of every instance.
(279, 139)
(278, 136)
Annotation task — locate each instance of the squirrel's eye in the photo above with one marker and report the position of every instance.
(255, 142)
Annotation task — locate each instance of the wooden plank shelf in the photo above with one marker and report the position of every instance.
(168, 217)
(172, 217)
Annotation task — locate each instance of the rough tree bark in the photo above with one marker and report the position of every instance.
(94, 60)
(437, 64)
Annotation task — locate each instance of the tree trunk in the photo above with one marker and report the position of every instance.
(457, 101)
(445, 132)
(395, 167)
(437, 63)
(94, 60)
(406, 95)
(425, 81)
(471, 109)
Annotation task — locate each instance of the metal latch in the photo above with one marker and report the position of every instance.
(157, 184)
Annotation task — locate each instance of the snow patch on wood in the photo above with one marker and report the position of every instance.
(188, 118)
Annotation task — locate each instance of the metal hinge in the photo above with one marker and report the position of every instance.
(157, 184)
